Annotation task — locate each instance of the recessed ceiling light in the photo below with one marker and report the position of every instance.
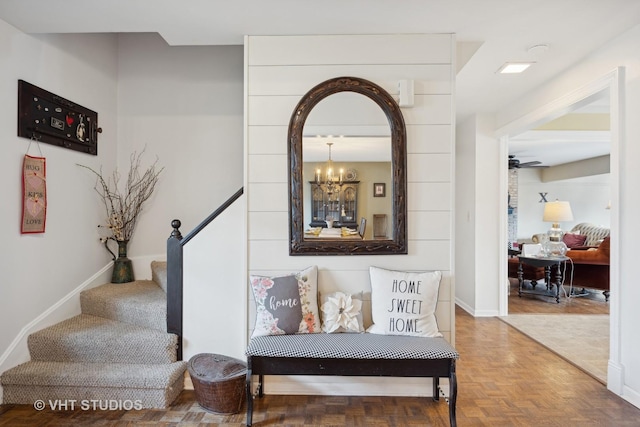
(514, 67)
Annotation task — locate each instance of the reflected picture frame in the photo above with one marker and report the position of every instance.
(379, 189)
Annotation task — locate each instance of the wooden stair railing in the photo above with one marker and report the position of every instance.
(175, 245)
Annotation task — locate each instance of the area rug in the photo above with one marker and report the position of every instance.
(581, 339)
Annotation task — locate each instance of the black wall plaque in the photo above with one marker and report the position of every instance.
(54, 120)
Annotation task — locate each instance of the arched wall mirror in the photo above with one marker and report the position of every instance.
(347, 171)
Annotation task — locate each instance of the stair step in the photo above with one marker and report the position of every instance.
(141, 303)
(86, 338)
(159, 274)
(152, 385)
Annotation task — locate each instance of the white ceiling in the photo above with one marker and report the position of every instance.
(553, 147)
(488, 32)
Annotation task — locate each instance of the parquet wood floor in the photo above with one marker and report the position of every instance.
(594, 303)
(504, 379)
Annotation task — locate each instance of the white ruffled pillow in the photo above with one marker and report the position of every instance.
(341, 313)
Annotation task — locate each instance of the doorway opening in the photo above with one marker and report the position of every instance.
(609, 89)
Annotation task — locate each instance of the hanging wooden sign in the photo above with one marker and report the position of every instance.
(51, 119)
(34, 195)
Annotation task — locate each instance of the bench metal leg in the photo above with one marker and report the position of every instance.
(436, 389)
(249, 395)
(260, 385)
(453, 394)
(260, 391)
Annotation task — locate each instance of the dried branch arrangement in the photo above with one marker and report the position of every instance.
(123, 208)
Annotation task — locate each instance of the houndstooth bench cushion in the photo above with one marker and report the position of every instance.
(351, 346)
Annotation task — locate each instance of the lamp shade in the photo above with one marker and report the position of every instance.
(557, 212)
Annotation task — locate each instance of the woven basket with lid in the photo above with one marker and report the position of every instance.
(219, 382)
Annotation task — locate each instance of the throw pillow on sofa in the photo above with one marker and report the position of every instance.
(574, 240)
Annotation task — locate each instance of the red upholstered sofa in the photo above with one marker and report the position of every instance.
(590, 267)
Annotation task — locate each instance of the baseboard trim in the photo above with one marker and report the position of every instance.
(464, 306)
(476, 313)
(631, 396)
(615, 377)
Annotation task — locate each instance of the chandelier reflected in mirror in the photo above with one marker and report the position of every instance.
(328, 179)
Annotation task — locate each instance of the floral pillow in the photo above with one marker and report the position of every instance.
(404, 303)
(341, 313)
(286, 304)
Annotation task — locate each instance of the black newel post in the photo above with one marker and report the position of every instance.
(174, 284)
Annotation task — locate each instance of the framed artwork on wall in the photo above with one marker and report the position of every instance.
(52, 119)
(379, 189)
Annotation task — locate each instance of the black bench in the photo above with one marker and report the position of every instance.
(352, 355)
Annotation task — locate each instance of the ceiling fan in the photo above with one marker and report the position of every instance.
(517, 164)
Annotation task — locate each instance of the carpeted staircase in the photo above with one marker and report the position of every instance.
(117, 349)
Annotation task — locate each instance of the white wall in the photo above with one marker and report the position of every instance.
(41, 270)
(465, 219)
(588, 197)
(487, 231)
(282, 69)
(476, 229)
(185, 104)
(624, 365)
(215, 317)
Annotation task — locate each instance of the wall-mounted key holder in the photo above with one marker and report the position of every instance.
(52, 119)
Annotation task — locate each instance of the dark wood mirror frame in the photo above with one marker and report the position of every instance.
(396, 245)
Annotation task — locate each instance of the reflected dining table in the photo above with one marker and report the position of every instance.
(333, 234)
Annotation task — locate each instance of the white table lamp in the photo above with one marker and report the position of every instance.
(556, 212)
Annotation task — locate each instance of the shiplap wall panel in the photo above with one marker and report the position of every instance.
(429, 110)
(429, 139)
(267, 139)
(271, 110)
(268, 197)
(423, 255)
(294, 80)
(267, 168)
(276, 110)
(279, 70)
(267, 225)
(434, 167)
(362, 50)
(429, 225)
(429, 196)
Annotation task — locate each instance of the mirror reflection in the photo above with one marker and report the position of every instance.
(347, 170)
